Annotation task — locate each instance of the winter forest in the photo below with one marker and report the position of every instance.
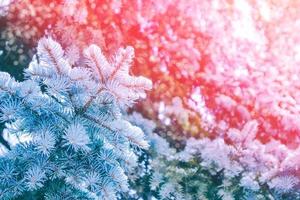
(149, 100)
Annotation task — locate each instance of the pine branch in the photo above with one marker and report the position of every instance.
(123, 60)
(97, 121)
(58, 96)
(91, 99)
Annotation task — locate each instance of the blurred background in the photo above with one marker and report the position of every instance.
(216, 66)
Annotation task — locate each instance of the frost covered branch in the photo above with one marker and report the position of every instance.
(78, 137)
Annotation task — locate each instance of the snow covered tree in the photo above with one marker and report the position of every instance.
(166, 175)
(79, 146)
(233, 166)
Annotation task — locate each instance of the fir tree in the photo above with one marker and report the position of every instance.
(239, 167)
(80, 146)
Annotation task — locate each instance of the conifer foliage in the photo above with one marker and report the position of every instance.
(80, 146)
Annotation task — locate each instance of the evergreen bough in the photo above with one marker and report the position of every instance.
(79, 146)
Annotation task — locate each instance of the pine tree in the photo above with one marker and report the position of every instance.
(80, 146)
(238, 167)
(169, 174)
